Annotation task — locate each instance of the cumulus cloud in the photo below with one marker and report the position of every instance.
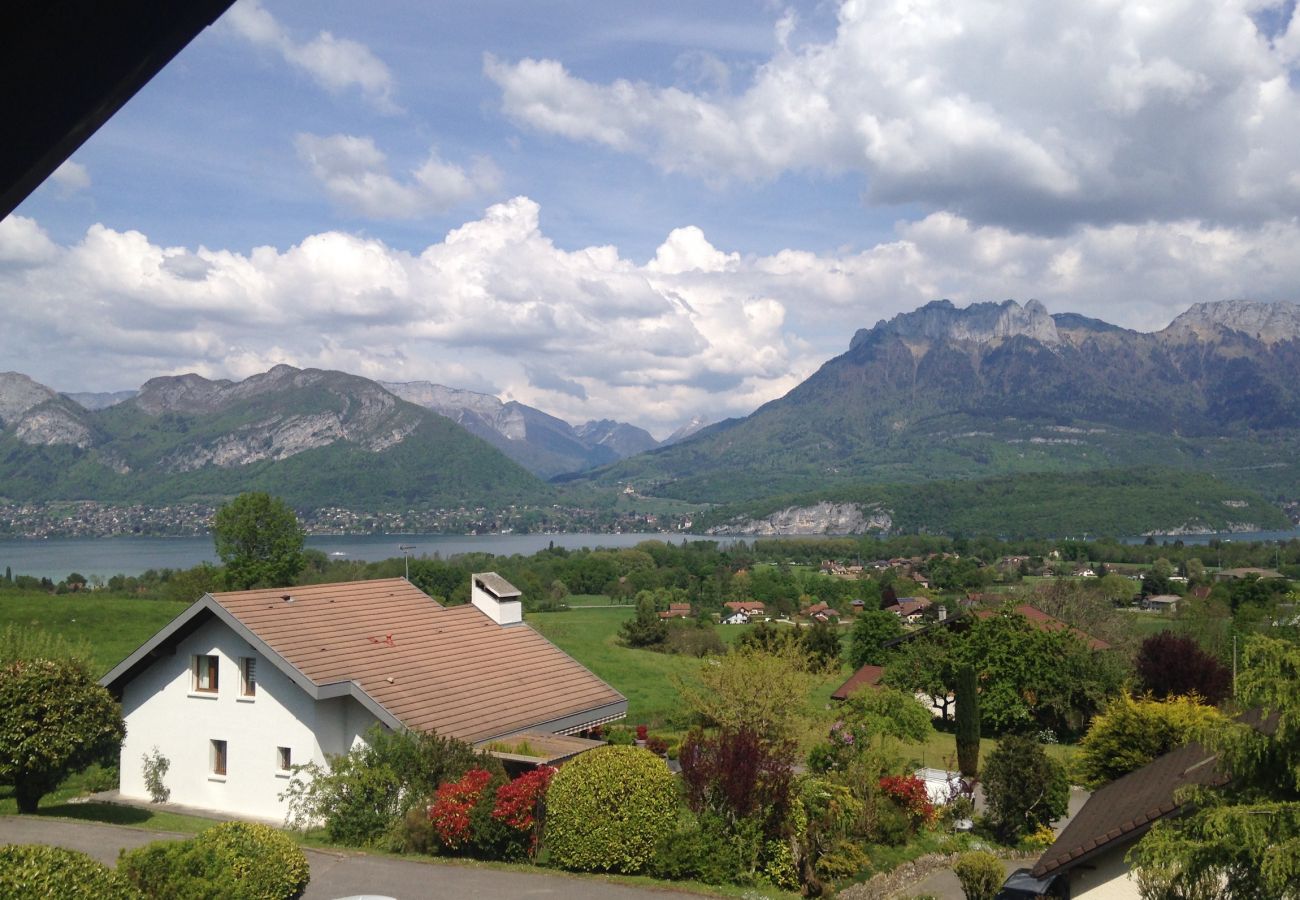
(355, 174)
(584, 333)
(71, 177)
(1034, 117)
(337, 64)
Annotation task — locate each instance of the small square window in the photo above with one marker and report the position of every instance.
(247, 676)
(205, 674)
(217, 757)
(284, 758)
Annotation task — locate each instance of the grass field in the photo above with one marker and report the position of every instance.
(113, 626)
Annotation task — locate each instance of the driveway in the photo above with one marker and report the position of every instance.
(342, 873)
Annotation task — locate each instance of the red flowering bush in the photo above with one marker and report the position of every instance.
(641, 732)
(519, 804)
(910, 794)
(453, 807)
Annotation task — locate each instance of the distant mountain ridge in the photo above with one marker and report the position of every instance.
(317, 438)
(996, 389)
(544, 444)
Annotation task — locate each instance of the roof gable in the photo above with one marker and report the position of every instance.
(452, 670)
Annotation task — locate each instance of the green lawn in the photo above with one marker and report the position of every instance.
(113, 626)
(58, 804)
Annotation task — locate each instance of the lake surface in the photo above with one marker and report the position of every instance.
(57, 557)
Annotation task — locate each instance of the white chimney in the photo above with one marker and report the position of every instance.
(943, 612)
(496, 598)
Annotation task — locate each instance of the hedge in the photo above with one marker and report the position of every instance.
(234, 860)
(32, 871)
(606, 810)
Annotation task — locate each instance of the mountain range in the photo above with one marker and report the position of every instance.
(940, 418)
(1000, 389)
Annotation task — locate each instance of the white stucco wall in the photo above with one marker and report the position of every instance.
(1104, 877)
(162, 710)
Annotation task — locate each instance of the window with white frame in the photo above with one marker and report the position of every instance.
(217, 757)
(247, 676)
(205, 674)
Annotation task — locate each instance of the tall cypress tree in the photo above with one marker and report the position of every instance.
(968, 722)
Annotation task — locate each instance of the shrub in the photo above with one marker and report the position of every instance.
(155, 767)
(620, 736)
(29, 872)
(519, 805)
(1130, 732)
(694, 641)
(912, 798)
(453, 805)
(981, 875)
(1025, 787)
(710, 850)
(607, 809)
(364, 795)
(843, 860)
(233, 860)
(738, 775)
(54, 720)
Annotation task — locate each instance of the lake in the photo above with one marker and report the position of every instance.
(57, 557)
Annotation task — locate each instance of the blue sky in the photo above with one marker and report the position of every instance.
(653, 211)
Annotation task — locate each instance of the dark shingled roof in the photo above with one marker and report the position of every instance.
(1124, 810)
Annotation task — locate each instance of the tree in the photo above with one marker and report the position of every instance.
(1130, 732)
(926, 665)
(764, 692)
(822, 644)
(1174, 665)
(259, 540)
(1240, 840)
(1025, 787)
(870, 631)
(968, 722)
(54, 720)
(645, 629)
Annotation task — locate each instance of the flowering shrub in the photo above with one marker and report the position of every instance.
(657, 746)
(842, 735)
(909, 793)
(519, 803)
(641, 732)
(453, 805)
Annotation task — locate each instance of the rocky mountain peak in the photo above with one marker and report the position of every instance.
(189, 393)
(685, 431)
(18, 393)
(981, 323)
(1266, 322)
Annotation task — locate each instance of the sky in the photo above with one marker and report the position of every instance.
(653, 211)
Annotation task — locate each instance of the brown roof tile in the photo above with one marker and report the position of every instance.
(452, 670)
(867, 676)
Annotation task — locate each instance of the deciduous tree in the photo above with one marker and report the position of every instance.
(54, 720)
(871, 629)
(259, 540)
(1173, 665)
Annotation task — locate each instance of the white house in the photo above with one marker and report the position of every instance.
(244, 685)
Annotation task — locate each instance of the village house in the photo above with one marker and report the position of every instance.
(819, 612)
(910, 609)
(676, 611)
(1162, 603)
(740, 612)
(243, 686)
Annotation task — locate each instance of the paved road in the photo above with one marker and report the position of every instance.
(343, 874)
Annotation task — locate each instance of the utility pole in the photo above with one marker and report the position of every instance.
(406, 554)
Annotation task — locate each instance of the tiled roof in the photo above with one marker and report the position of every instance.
(1123, 810)
(450, 669)
(868, 676)
(1044, 622)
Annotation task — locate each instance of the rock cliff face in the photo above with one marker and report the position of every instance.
(52, 423)
(979, 323)
(1268, 323)
(18, 393)
(820, 518)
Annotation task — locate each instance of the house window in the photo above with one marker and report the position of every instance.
(217, 756)
(284, 758)
(205, 674)
(247, 676)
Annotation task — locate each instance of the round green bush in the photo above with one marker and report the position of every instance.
(34, 871)
(234, 861)
(981, 875)
(606, 810)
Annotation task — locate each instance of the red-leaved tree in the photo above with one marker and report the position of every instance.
(453, 807)
(1174, 665)
(738, 775)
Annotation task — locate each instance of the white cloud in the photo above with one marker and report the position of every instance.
(355, 174)
(71, 177)
(583, 333)
(1031, 116)
(337, 64)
